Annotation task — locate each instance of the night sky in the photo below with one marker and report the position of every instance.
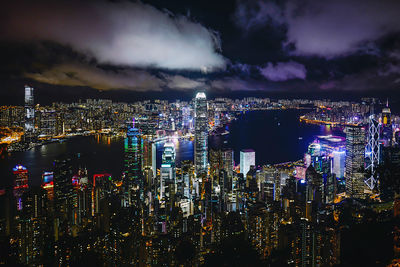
(129, 50)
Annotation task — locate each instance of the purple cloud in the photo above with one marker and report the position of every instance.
(119, 33)
(339, 27)
(328, 28)
(283, 71)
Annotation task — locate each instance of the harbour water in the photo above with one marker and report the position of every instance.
(276, 136)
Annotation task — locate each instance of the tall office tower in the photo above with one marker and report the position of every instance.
(149, 156)
(46, 121)
(103, 188)
(373, 149)
(386, 114)
(29, 113)
(201, 134)
(185, 117)
(387, 131)
(227, 162)
(187, 172)
(314, 153)
(301, 246)
(338, 163)
(355, 144)
(168, 172)
(133, 159)
(154, 159)
(83, 197)
(313, 185)
(20, 183)
(48, 185)
(215, 160)
(63, 194)
(247, 158)
(32, 227)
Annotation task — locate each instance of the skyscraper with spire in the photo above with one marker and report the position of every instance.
(132, 175)
(387, 131)
(201, 134)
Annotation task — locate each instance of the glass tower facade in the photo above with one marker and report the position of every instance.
(168, 172)
(29, 112)
(355, 146)
(201, 133)
(133, 158)
(247, 158)
(338, 163)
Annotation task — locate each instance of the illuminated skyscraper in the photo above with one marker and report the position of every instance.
(29, 113)
(133, 157)
(387, 131)
(201, 133)
(386, 114)
(63, 197)
(355, 146)
(247, 158)
(373, 149)
(32, 228)
(168, 172)
(313, 185)
(227, 162)
(132, 175)
(338, 163)
(149, 156)
(48, 185)
(20, 183)
(101, 203)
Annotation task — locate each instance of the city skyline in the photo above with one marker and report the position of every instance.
(182, 133)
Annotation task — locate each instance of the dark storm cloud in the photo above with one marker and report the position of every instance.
(77, 74)
(237, 84)
(119, 33)
(179, 82)
(276, 72)
(368, 80)
(94, 77)
(329, 28)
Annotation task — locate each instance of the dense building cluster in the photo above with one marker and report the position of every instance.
(211, 211)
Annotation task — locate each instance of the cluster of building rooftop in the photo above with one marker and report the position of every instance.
(150, 215)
